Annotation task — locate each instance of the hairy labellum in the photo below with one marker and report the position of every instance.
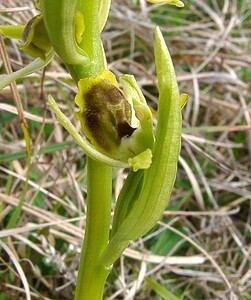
(107, 115)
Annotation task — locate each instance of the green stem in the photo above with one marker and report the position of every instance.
(91, 275)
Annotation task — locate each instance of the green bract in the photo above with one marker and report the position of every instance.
(145, 194)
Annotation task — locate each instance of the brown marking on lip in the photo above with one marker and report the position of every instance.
(107, 115)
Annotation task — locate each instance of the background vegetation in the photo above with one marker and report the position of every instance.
(201, 247)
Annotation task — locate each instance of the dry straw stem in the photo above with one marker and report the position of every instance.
(210, 45)
(63, 225)
(18, 268)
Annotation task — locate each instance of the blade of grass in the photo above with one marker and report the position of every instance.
(7, 157)
(160, 290)
(15, 217)
(17, 212)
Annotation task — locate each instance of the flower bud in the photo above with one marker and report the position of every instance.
(36, 40)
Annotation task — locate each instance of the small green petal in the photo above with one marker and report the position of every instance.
(141, 161)
(177, 3)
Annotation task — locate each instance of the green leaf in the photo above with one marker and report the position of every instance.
(7, 157)
(166, 241)
(18, 210)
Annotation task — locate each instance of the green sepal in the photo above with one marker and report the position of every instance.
(36, 39)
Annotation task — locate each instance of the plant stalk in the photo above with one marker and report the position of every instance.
(92, 275)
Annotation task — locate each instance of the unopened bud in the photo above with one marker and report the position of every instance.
(36, 39)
